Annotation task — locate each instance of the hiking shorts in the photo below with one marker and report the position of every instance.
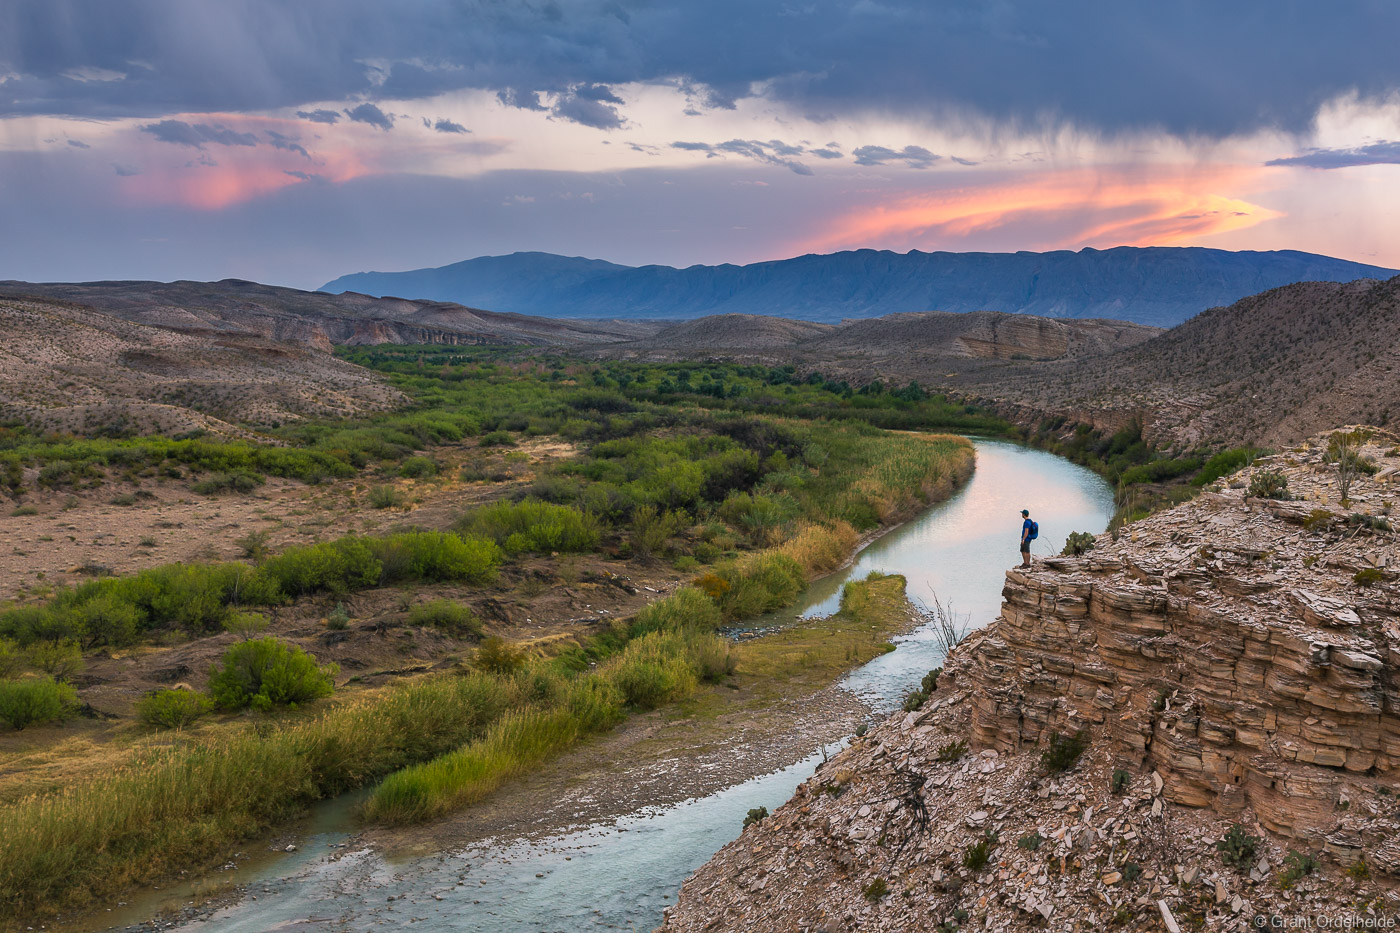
(1025, 547)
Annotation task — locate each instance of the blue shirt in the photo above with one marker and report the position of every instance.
(1025, 529)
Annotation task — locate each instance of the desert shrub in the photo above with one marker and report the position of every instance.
(1064, 751)
(1296, 866)
(952, 751)
(758, 516)
(444, 614)
(495, 655)
(711, 656)
(652, 528)
(497, 439)
(758, 584)
(265, 672)
(245, 624)
(1238, 848)
(532, 525)
(20, 511)
(253, 545)
(1158, 471)
(1372, 522)
(60, 659)
(106, 619)
(1223, 464)
(336, 566)
(1131, 872)
(1078, 542)
(1368, 576)
(652, 670)
(385, 497)
(241, 481)
(976, 856)
(688, 609)
(338, 619)
(435, 557)
(1118, 783)
(930, 682)
(124, 499)
(1031, 841)
(35, 701)
(914, 699)
(875, 890)
(418, 468)
(756, 815)
(172, 709)
(1269, 484)
(11, 658)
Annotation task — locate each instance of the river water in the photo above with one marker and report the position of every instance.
(622, 875)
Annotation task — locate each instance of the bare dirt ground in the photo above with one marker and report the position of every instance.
(78, 534)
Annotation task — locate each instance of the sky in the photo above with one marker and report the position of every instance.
(293, 141)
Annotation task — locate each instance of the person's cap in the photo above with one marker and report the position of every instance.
(1025, 512)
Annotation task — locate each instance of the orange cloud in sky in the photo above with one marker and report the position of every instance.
(1074, 207)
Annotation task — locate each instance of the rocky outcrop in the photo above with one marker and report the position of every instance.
(1231, 665)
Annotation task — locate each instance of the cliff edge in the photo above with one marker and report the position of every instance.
(1194, 726)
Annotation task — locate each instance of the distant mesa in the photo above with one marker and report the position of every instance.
(1157, 286)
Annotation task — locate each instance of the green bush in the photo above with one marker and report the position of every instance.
(418, 468)
(756, 815)
(532, 525)
(1119, 782)
(930, 682)
(1031, 841)
(35, 701)
(914, 699)
(444, 614)
(1269, 484)
(1368, 576)
(952, 751)
(1225, 463)
(1297, 866)
(434, 557)
(336, 566)
(652, 670)
(1064, 751)
(687, 609)
(60, 659)
(11, 658)
(876, 890)
(265, 672)
(1158, 471)
(338, 619)
(757, 585)
(1078, 543)
(1238, 848)
(495, 655)
(976, 856)
(497, 439)
(385, 497)
(172, 709)
(241, 481)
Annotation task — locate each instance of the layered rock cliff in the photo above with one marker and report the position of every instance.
(1230, 665)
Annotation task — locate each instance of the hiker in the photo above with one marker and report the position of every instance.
(1029, 532)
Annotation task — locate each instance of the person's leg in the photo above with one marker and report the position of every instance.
(1025, 556)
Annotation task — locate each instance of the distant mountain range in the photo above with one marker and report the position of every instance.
(1159, 286)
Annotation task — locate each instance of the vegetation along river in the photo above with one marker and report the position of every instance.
(623, 874)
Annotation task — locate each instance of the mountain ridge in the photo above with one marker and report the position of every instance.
(1158, 286)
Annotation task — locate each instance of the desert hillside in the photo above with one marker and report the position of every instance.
(1194, 726)
(67, 368)
(233, 306)
(895, 341)
(1271, 369)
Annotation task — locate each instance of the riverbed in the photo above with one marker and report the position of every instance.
(621, 874)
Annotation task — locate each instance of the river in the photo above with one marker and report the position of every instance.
(621, 875)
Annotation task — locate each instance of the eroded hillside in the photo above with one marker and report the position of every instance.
(67, 368)
(1192, 727)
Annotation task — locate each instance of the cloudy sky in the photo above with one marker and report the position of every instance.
(291, 141)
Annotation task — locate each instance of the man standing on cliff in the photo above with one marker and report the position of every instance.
(1029, 532)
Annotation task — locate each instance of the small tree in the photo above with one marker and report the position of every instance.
(1344, 449)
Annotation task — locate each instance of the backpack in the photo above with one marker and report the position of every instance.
(1035, 531)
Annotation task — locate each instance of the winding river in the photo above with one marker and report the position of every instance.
(622, 875)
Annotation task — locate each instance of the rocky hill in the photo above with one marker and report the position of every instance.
(233, 306)
(65, 367)
(895, 340)
(1195, 726)
(1271, 369)
(1160, 286)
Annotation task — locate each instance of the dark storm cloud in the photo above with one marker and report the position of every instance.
(78, 144)
(1381, 153)
(912, 156)
(1192, 67)
(197, 134)
(368, 113)
(319, 116)
(773, 152)
(448, 126)
(289, 143)
(590, 104)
